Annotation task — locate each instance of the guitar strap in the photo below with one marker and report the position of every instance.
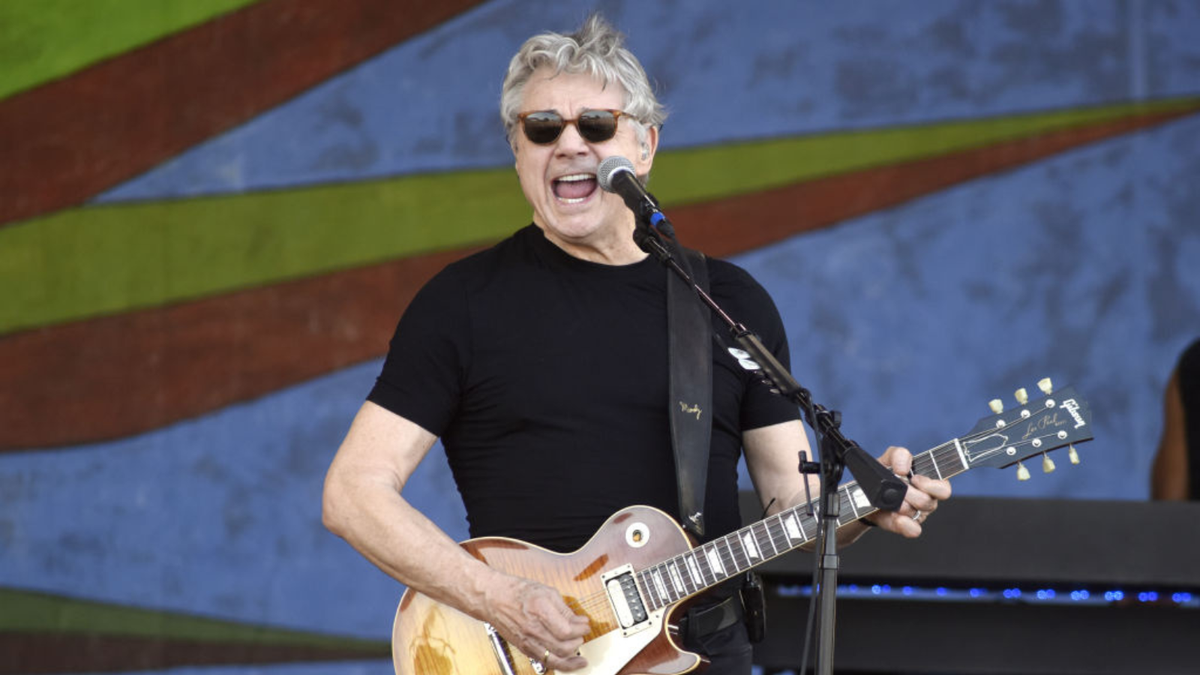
(689, 328)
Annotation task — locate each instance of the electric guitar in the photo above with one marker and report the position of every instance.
(640, 566)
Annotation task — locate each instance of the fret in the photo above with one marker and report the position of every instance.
(933, 460)
(778, 535)
(694, 570)
(649, 590)
(794, 527)
(731, 557)
(676, 581)
(846, 499)
(751, 547)
(761, 526)
(706, 570)
(738, 555)
(962, 455)
(714, 562)
(656, 575)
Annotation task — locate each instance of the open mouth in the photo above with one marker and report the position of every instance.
(575, 188)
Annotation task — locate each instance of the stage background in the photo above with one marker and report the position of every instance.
(212, 214)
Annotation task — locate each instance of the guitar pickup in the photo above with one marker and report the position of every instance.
(626, 599)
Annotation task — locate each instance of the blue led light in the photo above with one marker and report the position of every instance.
(941, 591)
(907, 590)
(877, 589)
(1181, 597)
(1046, 594)
(976, 592)
(1114, 596)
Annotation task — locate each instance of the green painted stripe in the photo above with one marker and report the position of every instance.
(27, 612)
(43, 40)
(99, 260)
(715, 172)
(103, 259)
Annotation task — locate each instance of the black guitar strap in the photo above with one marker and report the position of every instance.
(689, 327)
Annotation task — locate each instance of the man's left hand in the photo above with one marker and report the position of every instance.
(920, 501)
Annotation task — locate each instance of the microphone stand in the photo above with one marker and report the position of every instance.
(882, 488)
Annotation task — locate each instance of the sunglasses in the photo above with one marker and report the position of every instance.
(545, 126)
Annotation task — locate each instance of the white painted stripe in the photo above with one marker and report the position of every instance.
(714, 561)
(658, 582)
(676, 580)
(751, 546)
(694, 569)
(793, 528)
(858, 499)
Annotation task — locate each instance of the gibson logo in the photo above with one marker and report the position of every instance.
(1072, 407)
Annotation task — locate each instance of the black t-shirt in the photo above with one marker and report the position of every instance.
(546, 378)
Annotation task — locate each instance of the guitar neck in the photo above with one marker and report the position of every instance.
(710, 564)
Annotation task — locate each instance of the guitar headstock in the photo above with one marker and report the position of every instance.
(1035, 427)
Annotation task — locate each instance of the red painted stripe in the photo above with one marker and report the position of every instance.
(116, 376)
(27, 654)
(66, 141)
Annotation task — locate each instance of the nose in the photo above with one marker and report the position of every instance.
(570, 142)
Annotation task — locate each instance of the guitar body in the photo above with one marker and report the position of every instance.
(430, 638)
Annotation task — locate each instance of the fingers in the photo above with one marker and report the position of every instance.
(546, 630)
(920, 500)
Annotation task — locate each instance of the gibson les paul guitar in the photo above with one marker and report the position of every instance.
(640, 566)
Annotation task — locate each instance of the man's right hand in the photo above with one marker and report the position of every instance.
(534, 618)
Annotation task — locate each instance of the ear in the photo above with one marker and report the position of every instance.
(646, 158)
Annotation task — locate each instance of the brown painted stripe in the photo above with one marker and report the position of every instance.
(116, 376)
(152, 103)
(27, 654)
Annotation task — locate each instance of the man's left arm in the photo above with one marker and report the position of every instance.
(772, 458)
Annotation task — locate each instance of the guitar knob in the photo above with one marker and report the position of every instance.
(1046, 385)
(1022, 472)
(1074, 456)
(996, 405)
(1047, 464)
(1022, 396)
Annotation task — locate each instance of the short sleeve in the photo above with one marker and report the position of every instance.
(425, 367)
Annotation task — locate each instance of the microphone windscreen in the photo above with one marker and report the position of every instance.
(609, 167)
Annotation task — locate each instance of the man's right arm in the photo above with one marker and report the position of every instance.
(363, 504)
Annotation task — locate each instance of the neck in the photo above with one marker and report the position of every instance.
(610, 246)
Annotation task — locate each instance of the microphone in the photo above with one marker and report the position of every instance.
(616, 175)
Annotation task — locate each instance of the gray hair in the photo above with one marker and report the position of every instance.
(597, 49)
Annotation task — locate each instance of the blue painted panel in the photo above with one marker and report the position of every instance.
(1082, 268)
(784, 68)
(220, 516)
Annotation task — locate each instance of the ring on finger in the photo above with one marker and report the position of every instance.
(545, 655)
(917, 516)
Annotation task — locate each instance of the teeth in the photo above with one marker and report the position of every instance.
(574, 178)
(570, 201)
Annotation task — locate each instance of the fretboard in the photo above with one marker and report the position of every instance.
(707, 565)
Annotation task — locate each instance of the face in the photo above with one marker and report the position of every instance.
(559, 179)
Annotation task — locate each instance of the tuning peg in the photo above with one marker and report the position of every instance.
(1022, 472)
(1046, 385)
(1047, 464)
(1022, 396)
(996, 405)
(1074, 456)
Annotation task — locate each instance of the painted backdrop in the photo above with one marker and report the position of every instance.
(212, 214)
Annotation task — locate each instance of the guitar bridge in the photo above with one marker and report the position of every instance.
(626, 599)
